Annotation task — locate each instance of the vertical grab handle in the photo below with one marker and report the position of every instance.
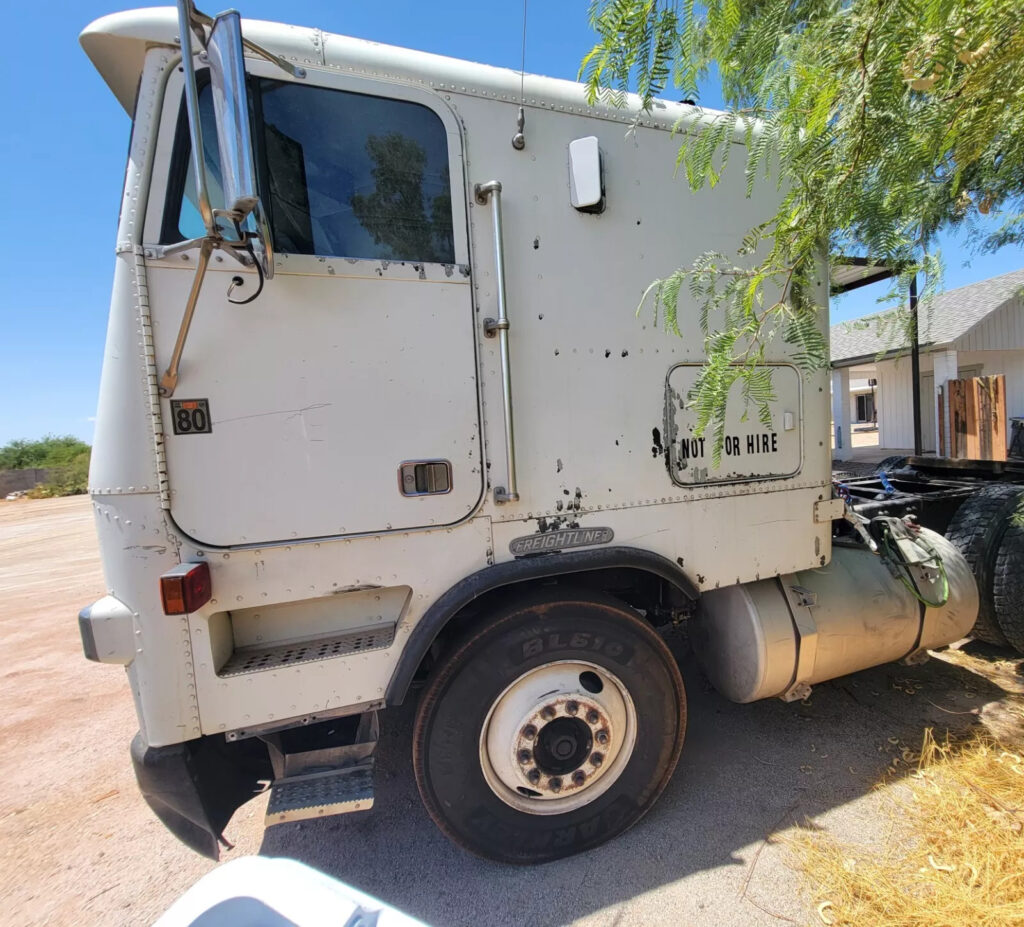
(499, 326)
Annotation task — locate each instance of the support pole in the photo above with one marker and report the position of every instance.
(915, 366)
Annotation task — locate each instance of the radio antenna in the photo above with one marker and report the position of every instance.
(519, 139)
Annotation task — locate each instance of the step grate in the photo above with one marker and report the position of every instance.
(336, 791)
(257, 659)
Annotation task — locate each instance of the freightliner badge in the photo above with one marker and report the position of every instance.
(559, 540)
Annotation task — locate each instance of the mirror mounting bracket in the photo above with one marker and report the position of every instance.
(199, 22)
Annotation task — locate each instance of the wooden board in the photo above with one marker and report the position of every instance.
(941, 449)
(977, 417)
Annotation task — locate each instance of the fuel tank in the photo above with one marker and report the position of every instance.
(780, 636)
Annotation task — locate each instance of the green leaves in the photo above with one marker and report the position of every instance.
(880, 121)
(50, 451)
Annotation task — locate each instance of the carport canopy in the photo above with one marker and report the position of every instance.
(849, 273)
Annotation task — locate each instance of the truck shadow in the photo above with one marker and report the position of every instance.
(746, 771)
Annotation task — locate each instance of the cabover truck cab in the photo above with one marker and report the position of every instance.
(378, 421)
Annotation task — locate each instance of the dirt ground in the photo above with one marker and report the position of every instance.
(78, 844)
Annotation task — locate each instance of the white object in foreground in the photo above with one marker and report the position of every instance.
(255, 891)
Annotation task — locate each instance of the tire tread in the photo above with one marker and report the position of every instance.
(976, 530)
(469, 643)
(1008, 587)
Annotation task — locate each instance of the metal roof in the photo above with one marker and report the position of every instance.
(848, 273)
(950, 316)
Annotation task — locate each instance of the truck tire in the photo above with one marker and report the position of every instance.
(1008, 586)
(895, 462)
(550, 730)
(977, 530)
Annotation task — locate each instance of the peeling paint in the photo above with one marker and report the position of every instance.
(657, 448)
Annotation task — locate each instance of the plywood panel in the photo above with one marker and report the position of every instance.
(977, 417)
(941, 449)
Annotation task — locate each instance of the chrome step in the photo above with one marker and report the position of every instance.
(321, 794)
(257, 659)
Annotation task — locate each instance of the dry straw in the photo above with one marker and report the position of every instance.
(956, 853)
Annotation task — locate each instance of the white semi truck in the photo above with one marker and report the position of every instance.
(343, 273)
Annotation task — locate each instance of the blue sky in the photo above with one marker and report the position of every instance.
(62, 156)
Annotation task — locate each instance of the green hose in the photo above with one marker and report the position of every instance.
(892, 550)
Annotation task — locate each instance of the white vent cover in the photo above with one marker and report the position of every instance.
(585, 173)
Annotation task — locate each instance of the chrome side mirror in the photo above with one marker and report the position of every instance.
(223, 50)
(231, 109)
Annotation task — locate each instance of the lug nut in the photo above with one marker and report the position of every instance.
(533, 775)
(547, 712)
(601, 737)
(525, 756)
(593, 717)
(529, 732)
(555, 784)
(572, 707)
(597, 758)
(579, 777)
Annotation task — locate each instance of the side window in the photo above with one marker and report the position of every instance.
(189, 222)
(346, 175)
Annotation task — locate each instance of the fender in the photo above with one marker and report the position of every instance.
(510, 573)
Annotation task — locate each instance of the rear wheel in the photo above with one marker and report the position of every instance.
(1008, 587)
(551, 730)
(977, 530)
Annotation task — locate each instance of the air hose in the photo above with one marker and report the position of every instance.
(896, 538)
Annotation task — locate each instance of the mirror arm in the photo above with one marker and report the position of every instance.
(285, 66)
(198, 20)
(236, 249)
(165, 251)
(169, 380)
(187, 19)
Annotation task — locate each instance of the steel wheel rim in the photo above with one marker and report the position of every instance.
(558, 737)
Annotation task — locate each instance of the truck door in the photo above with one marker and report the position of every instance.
(343, 399)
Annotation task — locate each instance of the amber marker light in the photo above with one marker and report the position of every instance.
(186, 588)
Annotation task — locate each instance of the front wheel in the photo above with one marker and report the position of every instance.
(551, 730)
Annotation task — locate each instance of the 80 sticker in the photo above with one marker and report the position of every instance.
(191, 416)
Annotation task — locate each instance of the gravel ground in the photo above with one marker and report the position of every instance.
(78, 845)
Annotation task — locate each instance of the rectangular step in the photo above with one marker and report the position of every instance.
(321, 794)
(276, 656)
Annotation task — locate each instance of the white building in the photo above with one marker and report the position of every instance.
(976, 330)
